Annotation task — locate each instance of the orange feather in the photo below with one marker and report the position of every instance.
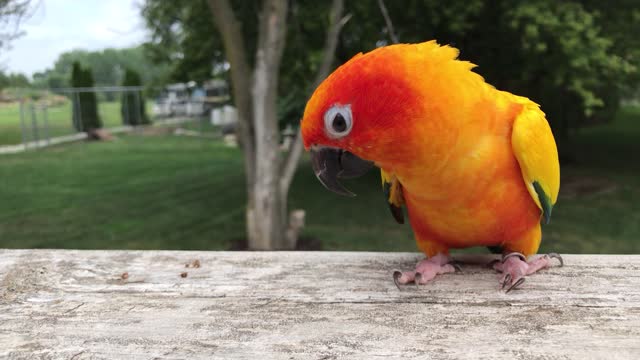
(445, 134)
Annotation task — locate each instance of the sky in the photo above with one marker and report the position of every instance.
(56, 26)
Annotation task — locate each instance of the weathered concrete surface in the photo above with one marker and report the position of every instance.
(307, 305)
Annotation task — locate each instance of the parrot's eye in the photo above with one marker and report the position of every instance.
(338, 121)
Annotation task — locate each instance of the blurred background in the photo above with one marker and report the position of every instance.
(122, 126)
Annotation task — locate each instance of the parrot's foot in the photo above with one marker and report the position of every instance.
(426, 270)
(515, 267)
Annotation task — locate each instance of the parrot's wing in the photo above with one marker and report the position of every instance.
(393, 193)
(534, 147)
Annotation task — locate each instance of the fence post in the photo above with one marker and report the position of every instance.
(45, 118)
(138, 114)
(74, 111)
(34, 125)
(23, 126)
(203, 119)
(125, 106)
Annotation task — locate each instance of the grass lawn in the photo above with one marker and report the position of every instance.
(59, 120)
(187, 193)
(202, 125)
(607, 218)
(137, 192)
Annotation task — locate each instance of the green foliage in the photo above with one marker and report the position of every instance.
(573, 54)
(575, 58)
(14, 80)
(85, 105)
(308, 23)
(107, 68)
(132, 105)
(184, 36)
(184, 39)
(50, 80)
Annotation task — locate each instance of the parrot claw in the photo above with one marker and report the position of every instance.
(425, 271)
(515, 267)
(506, 280)
(515, 285)
(396, 277)
(556, 256)
(418, 280)
(457, 267)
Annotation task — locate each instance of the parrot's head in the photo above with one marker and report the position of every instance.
(362, 115)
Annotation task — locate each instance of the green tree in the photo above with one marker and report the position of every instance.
(255, 59)
(4, 80)
(190, 44)
(575, 58)
(132, 106)
(85, 106)
(49, 79)
(18, 80)
(15, 80)
(576, 66)
(107, 68)
(183, 38)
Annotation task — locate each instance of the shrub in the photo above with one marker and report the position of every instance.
(85, 105)
(132, 103)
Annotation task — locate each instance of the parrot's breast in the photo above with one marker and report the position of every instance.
(475, 195)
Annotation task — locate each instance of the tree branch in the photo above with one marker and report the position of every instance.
(387, 20)
(234, 44)
(336, 22)
(291, 163)
(12, 12)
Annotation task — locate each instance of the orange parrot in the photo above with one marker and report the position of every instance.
(473, 165)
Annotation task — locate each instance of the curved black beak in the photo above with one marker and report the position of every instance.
(330, 164)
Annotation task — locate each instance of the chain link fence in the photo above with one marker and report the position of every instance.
(61, 115)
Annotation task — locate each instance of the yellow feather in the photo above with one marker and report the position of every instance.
(395, 188)
(535, 149)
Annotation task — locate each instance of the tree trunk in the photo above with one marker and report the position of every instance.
(234, 44)
(268, 220)
(231, 31)
(256, 99)
(336, 22)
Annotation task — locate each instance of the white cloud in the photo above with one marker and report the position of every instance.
(62, 25)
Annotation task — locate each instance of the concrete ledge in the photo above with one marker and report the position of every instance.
(79, 136)
(14, 149)
(308, 305)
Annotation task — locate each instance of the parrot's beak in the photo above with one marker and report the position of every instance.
(331, 164)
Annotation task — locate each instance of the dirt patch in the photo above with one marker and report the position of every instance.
(157, 130)
(152, 130)
(100, 134)
(24, 278)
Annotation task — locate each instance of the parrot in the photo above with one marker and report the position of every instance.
(470, 164)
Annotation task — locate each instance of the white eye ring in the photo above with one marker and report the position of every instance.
(338, 121)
